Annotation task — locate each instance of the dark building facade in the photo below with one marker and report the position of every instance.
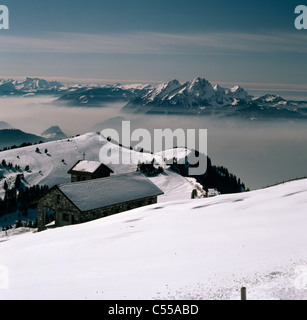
(85, 170)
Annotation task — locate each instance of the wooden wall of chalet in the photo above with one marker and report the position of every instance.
(102, 172)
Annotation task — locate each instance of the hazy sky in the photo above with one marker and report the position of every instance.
(225, 41)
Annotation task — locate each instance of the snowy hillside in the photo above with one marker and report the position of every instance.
(184, 249)
(49, 166)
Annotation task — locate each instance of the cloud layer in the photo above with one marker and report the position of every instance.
(157, 43)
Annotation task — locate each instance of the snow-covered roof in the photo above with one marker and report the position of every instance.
(86, 166)
(98, 193)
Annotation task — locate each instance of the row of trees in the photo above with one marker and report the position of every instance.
(149, 169)
(20, 200)
(10, 165)
(20, 224)
(23, 145)
(216, 177)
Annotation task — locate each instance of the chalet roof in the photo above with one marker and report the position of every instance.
(86, 166)
(99, 193)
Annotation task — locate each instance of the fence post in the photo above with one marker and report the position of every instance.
(243, 294)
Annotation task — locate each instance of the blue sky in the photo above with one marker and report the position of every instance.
(236, 41)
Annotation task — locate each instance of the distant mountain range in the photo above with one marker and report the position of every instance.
(16, 137)
(190, 95)
(72, 94)
(198, 97)
(29, 86)
(54, 133)
(95, 97)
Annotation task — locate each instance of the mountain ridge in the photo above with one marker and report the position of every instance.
(54, 133)
(200, 97)
(196, 97)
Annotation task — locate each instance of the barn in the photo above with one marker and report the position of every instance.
(79, 202)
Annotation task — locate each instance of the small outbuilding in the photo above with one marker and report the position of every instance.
(85, 170)
(78, 202)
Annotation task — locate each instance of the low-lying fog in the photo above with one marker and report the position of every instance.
(260, 153)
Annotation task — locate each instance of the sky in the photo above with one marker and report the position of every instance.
(252, 42)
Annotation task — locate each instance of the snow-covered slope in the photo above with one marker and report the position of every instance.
(276, 101)
(185, 249)
(50, 165)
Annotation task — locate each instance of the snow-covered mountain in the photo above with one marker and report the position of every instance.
(72, 93)
(202, 98)
(87, 97)
(29, 86)
(190, 95)
(198, 97)
(239, 93)
(204, 249)
(271, 100)
(36, 84)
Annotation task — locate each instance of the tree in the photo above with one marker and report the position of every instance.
(19, 224)
(18, 182)
(5, 186)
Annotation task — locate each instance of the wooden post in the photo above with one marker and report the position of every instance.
(243, 294)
